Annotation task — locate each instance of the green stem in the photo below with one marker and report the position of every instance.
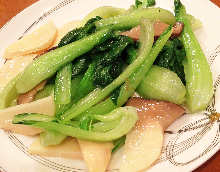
(97, 95)
(62, 91)
(126, 123)
(127, 21)
(199, 82)
(112, 116)
(105, 126)
(128, 88)
(47, 65)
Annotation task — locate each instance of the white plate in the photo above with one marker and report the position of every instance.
(183, 151)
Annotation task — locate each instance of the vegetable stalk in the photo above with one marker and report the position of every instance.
(99, 94)
(129, 87)
(127, 21)
(62, 90)
(127, 121)
(47, 65)
(199, 83)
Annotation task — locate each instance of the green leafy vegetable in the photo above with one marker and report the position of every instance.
(62, 90)
(131, 53)
(104, 12)
(79, 33)
(144, 3)
(172, 57)
(105, 75)
(127, 121)
(105, 126)
(49, 138)
(86, 84)
(99, 94)
(162, 84)
(86, 123)
(9, 93)
(48, 64)
(109, 64)
(106, 64)
(75, 86)
(132, 19)
(30, 118)
(199, 83)
(80, 65)
(121, 94)
(129, 87)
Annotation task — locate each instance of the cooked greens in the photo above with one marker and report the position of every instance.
(47, 65)
(132, 19)
(144, 3)
(99, 94)
(199, 83)
(95, 70)
(162, 84)
(79, 33)
(172, 57)
(127, 121)
(62, 90)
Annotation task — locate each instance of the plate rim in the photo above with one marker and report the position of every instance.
(38, 3)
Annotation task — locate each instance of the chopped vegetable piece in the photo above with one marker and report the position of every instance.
(96, 155)
(128, 89)
(30, 118)
(43, 106)
(9, 93)
(99, 94)
(127, 21)
(162, 84)
(86, 84)
(105, 126)
(62, 90)
(144, 3)
(80, 65)
(126, 123)
(104, 12)
(143, 146)
(172, 56)
(79, 33)
(199, 83)
(49, 138)
(9, 74)
(39, 40)
(46, 65)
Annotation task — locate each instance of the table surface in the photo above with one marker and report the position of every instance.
(8, 9)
